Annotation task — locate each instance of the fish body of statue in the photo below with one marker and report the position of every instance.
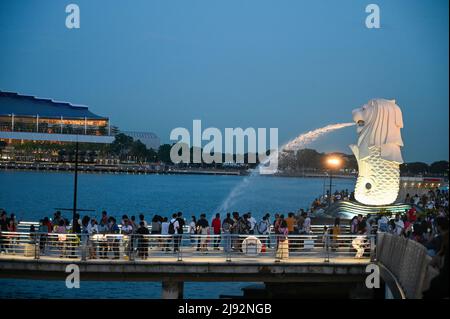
(378, 152)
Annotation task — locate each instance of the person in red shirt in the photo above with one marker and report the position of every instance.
(216, 224)
(412, 217)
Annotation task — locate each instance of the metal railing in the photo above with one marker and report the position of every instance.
(185, 247)
(24, 226)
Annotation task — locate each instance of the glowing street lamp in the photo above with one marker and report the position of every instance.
(332, 163)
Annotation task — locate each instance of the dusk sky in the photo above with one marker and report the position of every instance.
(296, 65)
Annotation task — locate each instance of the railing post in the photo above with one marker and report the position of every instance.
(372, 248)
(327, 248)
(131, 248)
(228, 244)
(83, 247)
(277, 244)
(37, 246)
(179, 239)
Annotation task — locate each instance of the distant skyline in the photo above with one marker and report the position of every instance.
(295, 65)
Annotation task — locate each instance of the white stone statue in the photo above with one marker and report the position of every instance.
(378, 152)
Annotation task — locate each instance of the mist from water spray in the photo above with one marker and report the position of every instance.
(293, 145)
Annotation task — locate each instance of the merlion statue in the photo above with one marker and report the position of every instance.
(378, 152)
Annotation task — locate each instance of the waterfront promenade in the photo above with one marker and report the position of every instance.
(314, 259)
(306, 259)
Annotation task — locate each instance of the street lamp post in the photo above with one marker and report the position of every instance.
(75, 186)
(331, 183)
(333, 162)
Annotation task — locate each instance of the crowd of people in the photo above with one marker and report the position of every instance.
(326, 199)
(427, 229)
(220, 230)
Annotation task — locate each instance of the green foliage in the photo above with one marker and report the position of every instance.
(164, 153)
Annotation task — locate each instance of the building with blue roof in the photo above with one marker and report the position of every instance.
(27, 117)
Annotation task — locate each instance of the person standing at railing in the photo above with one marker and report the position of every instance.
(181, 223)
(399, 225)
(243, 228)
(354, 225)
(142, 220)
(165, 232)
(251, 222)
(103, 229)
(174, 228)
(290, 221)
(307, 224)
(216, 225)
(142, 233)
(85, 242)
(282, 239)
(115, 241)
(382, 223)
(234, 231)
(202, 229)
(263, 229)
(336, 231)
(3, 228)
(12, 237)
(227, 225)
(300, 222)
(104, 218)
(359, 243)
(92, 229)
(127, 231)
(33, 235)
(192, 227)
(61, 230)
(43, 234)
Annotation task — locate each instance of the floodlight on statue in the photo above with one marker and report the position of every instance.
(378, 152)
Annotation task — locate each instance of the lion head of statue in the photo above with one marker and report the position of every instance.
(378, 124)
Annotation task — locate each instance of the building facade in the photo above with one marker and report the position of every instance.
(26, 117)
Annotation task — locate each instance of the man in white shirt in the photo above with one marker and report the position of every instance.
(164, 232)
(383, 224)
(176, 238)
(252, 222)
(399, 225)
(307, 224)
(165, 227)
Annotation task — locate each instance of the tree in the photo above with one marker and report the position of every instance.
(440, 167)
(164, 153)
(416, 168)
(122, 145)
(138, 150)
(152, 155)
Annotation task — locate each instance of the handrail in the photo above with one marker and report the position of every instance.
(317, 229)
(229, 246)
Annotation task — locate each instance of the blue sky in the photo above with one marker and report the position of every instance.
(296, 65)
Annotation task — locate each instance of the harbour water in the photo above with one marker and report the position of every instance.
(33, 195)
